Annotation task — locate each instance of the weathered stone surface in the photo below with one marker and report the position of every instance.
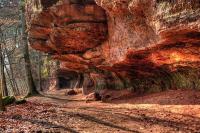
(119, 44)
(68, 28)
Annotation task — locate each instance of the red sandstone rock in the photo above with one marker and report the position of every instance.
(119, 40)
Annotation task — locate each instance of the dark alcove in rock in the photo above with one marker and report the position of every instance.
(63, 83)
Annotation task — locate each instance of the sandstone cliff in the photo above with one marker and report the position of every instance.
(144, 45)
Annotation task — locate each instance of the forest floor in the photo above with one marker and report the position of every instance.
(165, 112)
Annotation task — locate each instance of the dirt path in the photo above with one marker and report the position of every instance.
(167, 112)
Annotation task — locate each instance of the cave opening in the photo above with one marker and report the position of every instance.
(63, 83)
(48, 3)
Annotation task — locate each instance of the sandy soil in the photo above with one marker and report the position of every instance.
(166, 112)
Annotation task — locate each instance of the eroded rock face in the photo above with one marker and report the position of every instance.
(68, 28)
(123, 43)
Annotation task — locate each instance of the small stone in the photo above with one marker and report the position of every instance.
(71, 92)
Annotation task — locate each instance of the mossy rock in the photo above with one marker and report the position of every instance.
(11, 99)
(183, 78)
(8, 100)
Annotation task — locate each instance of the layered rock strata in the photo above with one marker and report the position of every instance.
(137, 44)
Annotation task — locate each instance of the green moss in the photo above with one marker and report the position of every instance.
(180, 79)
(11, 99)
(116, 84)
(45, 73)
(186, 79)
(163, 79)
(100, 84)
(8, 100)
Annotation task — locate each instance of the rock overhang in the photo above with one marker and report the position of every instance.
(133, 38)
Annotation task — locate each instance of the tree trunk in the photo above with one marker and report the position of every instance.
(32, 88)
(4, 85)
(14, 83)
(39, 72)
(10, 80)
(2, 108)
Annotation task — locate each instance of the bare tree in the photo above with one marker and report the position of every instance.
(2, 108)
(32, 88)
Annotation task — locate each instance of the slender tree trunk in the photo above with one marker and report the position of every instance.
(32, 88)
(10, 80)
(39, 72)
(2, 108)
(4, 85)
(48, 65)
(14, 83)
(5, 54)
